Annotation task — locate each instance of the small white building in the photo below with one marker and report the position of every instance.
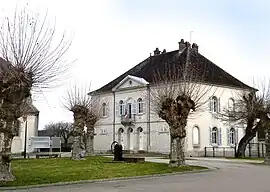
(127, 116)
(28, 126)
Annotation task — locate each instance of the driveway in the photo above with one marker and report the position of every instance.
(229, 177)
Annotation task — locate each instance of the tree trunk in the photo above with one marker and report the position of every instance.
(78, 144)
(243, 144)
(90, 141)
(5, 155)
(177, 152)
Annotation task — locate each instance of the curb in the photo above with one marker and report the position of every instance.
(106, 180)
(230, 161)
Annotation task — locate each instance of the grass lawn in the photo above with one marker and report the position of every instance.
(247, 158)
(44, 171)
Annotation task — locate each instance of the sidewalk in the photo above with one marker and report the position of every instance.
(226, 160)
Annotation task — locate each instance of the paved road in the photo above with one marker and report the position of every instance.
(230, 177)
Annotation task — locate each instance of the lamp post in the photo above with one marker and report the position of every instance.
(25, 135)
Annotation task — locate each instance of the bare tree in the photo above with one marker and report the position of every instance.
(60, 129)
(179, 90)
(78, 102)
(250, 110)
(30, 61)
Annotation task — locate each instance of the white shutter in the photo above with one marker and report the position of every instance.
(236, 136)
(134, 108)
(218, 105)
(219, 136)
(210, 104)
(210, 136)
(143, 107)
(107, 110)
(117, 109)
(228, 136)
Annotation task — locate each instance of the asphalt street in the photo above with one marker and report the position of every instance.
(230, 176)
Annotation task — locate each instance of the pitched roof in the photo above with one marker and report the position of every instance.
(161, 62)
(4, 67)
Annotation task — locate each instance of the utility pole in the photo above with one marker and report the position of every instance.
(190, 35)
(25, 136)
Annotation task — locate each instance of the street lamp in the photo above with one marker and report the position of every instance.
(25, 135)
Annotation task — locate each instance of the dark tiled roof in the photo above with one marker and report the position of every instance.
(4, 67)
(158, 64)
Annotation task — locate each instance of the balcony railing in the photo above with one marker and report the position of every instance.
(128, 119)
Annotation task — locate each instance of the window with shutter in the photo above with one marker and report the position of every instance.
(104, 110)
(121, 108)
(140, 106)
(214, 104)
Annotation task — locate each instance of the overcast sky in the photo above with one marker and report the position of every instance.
(112, 36)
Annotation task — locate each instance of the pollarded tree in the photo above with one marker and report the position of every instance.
(79, 103)
(180, 89)
(31, 61)
(250, 110)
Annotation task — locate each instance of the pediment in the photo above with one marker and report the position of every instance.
(130, 82)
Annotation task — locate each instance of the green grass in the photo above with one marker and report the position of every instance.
(247, 158)
(45, 171)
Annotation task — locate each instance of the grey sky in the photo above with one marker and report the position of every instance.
(111, 36)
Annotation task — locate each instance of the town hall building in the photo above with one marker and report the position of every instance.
(128, 118)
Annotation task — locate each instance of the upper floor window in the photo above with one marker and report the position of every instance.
(121, 107)
(104, 110)
(214, 104)
(140, 105)
(231, 104)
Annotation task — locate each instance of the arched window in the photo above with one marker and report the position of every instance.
(214, 104)
(196, 135)
(231, 104)
(104, 109)
(121, 107)
(214, 136)
(232, 136)
(140, 105)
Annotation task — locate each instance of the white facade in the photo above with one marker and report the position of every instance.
(129, 101)
(32, 130)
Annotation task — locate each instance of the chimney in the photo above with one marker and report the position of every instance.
(164, 51)
(187, 44)
(182, 45)
(195, 47)
(156, 52)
